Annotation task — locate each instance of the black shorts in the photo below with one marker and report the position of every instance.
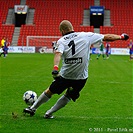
(61, 84)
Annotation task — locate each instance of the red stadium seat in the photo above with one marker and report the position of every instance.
(121, 19)
(48, 15)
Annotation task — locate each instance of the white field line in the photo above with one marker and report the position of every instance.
(116, 82)
(97, 117)
(84, 117)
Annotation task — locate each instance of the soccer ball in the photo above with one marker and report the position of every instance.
(29, 97)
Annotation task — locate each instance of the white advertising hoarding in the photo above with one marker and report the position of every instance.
(32, 49)
(20, 49)
(119, 51)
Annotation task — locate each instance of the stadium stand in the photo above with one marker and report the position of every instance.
(49, 13)
(121, 15)
(6, 30)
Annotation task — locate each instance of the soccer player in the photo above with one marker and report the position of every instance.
(91, 47)
(74, 48)
(6, 46)
(3, 46)
(101, 50)
(130, 46)
(3, 41)
(107, 49)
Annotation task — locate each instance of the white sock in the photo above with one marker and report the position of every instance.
(43, 98)
(61, 102)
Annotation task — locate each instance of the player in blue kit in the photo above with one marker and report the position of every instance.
(73, 48)
(107, 49)
(130, 46)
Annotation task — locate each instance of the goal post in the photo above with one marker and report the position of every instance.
(41, 41)
(43, 44)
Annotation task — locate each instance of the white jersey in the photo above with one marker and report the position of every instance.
(75, 49)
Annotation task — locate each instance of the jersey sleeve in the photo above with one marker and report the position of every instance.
(59, 47)
(94, 37)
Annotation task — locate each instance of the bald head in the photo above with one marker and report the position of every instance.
(65, 27)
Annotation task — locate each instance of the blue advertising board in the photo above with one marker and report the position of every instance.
(97, 9)
(97, 51)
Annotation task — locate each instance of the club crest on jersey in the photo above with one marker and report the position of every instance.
(73, 60)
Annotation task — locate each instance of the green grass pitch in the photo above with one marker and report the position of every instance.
(105, 104)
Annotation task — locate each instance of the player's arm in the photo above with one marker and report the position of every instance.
(114, 37)
(57, 59)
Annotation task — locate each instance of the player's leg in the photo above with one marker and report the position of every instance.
(107, 54)
(103, 54)
(57, 86)
(6, 52)
(98, 55)
(2, 53)
(131, 55)
(43, 98)
(61, 102)
(60, 86)
(72, 93)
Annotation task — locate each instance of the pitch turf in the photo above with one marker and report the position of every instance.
(105, 104)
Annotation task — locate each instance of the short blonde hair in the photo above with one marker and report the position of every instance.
(66, 26)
